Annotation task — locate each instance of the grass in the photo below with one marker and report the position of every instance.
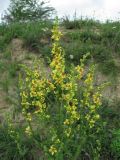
(81, 36)
(101, 40)
(29, 32)
(8, 146)
(79, 23)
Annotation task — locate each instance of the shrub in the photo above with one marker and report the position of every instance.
(64, 108)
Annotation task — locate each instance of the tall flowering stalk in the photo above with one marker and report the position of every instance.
(66, 105)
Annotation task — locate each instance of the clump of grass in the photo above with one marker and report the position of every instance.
(5, 84)
(101, 40)
(30, 32)
(109, 68)
(13, 69)
(79, 23)
(115, 145)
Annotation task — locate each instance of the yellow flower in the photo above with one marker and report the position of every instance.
(57, 141)
(29, 117)
(68, 132)
(28, 131)
(66, 122)
(96, 98)
(97, 116)
(87, 117)
(53, 150)
(91, 123)
(80, 71)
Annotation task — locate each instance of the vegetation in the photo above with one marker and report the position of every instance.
(70, 114)
(57, 111)
(101, 40)
(27, 10)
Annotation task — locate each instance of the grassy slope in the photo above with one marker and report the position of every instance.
(21, 43)
(102, 41)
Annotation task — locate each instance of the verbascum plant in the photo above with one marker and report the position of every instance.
(66, 106)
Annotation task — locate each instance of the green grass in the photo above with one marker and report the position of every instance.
(102, 40)
(8, 146)
(79, 23)
(30, 32)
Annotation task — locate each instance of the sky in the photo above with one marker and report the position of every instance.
(98, 9)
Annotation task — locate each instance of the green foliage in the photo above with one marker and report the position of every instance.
(115, 145)
(66, 111)
(8, 145)
(79, 23)
(13, 68)
(27, 10)
(110, 114)
(102, 41)
(5, 84)
(35, 32)
(109, 68)
(31, 33)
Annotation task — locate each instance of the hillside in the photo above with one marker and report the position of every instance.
(24, 43)
(19, 41)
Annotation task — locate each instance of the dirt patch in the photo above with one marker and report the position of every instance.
(17, 50)
(112, 91)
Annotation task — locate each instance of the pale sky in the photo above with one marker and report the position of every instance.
(99, 9)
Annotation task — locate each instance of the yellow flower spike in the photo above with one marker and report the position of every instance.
(36, 74)
(29, 117)
(56, 34)
(96, 98)
(80, 71)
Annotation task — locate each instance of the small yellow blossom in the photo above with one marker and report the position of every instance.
(53, 150)
(28, 117)
(80, 71)
(91, 123)
(68, 132)
(28, 131)
(96, 98)
(66, 122)
(57, 141)
(97, 116)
